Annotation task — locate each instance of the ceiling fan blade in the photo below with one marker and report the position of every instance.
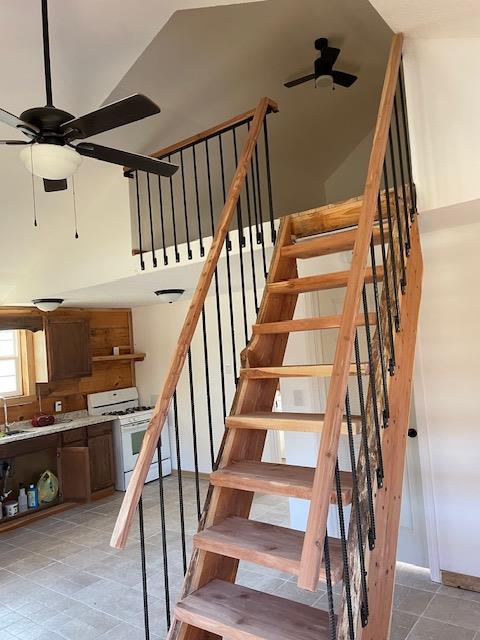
(54, 185)
(126, 159)
(343, 79)
(111, 116)
(15, 142)
(297, 81)
(13, 121)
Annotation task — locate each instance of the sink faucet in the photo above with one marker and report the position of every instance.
(5, 413)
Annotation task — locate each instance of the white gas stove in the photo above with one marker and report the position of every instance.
(129, 427)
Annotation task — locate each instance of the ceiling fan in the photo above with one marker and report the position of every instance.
(50, 153)
(323, 67)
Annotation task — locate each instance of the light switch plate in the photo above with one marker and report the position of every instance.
(298, 397)
(58, 406)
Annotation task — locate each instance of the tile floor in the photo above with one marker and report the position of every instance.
(60, 580)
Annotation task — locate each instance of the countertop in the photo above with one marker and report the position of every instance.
(65, 422)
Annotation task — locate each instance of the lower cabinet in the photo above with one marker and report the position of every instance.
(86, 465)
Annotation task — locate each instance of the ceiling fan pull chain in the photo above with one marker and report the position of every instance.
(33, 191)
(74, 207)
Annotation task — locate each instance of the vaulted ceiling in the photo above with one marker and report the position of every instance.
(202, 65)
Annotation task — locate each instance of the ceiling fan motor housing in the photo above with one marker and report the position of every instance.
(49, 121)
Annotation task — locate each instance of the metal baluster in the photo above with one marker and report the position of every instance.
(194, 433)
(401, 244)
(358, 519)
(250, 238)
(228, 242)
(174, 225)
(197, 199)
(187, 232)
(332, 624)
(166, 581)
(144, 569)
(260, 212)
(391, 249)
(406, 132)
(207, 382)
(241, 243)
(180, 482)
(139, 220)
(380, 338)
(162, 221)
(254, 196)
(402, 177)
(229, 271)
(366, 449)
(343, 542)
(217, 291)
(269, 181)
(149, 195)
(373, 391)
(386, 284)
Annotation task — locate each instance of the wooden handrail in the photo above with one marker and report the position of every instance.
(272, 106)
(312, 552)
(149, 445)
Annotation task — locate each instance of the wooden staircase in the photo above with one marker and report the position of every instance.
(212, 605)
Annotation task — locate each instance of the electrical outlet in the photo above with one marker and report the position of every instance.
(58, 406)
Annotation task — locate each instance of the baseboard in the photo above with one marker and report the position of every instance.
(461, 581)
(191, 474)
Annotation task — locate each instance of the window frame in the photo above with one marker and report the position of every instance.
(26, 379)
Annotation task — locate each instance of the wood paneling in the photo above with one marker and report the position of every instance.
(108, 328)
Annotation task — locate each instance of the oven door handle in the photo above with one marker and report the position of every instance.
(136, 426)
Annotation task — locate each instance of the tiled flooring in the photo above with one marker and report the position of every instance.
(60, 580)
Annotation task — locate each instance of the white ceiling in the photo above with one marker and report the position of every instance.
(431, 18)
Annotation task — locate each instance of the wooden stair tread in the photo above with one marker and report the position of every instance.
(297, 371)
(323, 282)
(308, 324)
(325, 245)
(265, 544)
(238, 613)
(286, 421)
(278, 479)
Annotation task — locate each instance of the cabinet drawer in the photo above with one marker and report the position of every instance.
(99, 429)
(74, 435)
(30, 445)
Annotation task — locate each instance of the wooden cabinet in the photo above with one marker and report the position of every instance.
(86, 463)
(62, 349)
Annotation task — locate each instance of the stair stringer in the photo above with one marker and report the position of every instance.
(239, 444)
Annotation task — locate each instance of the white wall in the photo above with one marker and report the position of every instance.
(443, 101)
(448, 353)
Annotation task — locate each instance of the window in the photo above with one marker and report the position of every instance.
(11, 383)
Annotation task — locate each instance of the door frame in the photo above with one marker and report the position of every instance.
(426, 470)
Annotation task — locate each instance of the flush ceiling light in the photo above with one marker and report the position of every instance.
(48, 304)
(169, 295)
(51, 161)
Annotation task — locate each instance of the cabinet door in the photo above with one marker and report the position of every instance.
(102, 469)
(74, 473)
(68, 348)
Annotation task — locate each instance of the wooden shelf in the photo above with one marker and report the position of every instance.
(44, 510)
(136, 357)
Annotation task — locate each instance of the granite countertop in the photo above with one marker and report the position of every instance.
(64, 422)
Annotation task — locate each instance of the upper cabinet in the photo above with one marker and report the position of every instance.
(62, 349)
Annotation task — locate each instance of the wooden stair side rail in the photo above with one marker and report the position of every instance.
(149, 445)
(381, 561)
(354, 566)
(312, 554)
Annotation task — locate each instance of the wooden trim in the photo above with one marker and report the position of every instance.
(312, 555)
(136, 357)
(272, 106)
(382, 560)
(461, 581)
(135, 487)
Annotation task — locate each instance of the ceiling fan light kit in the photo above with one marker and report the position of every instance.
(47, 304)
(50, 161)
(49, 152)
